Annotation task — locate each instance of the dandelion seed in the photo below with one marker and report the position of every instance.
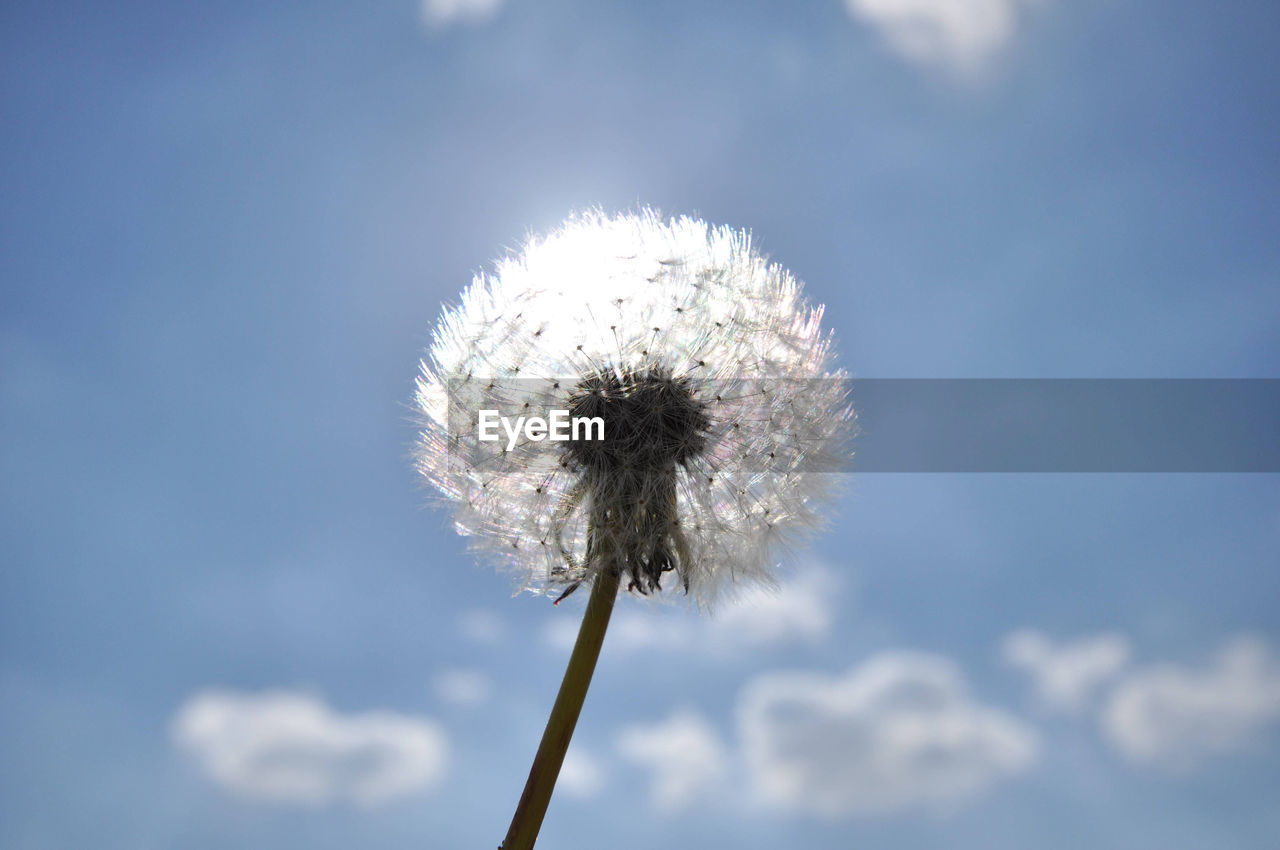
(722, 419)
(722, 408)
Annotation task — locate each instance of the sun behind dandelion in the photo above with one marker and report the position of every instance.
(722, 410)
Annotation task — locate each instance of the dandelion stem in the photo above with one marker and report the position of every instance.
(564, 714)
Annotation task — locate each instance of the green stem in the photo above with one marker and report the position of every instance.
(564, 714)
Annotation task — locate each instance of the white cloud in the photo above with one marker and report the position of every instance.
(288, 747)
(684, 754)
(1175, 717)
(961, 35)
(560, 633)
(462, 687)
(640, 631)
(800, 610)
(581, 775)
(1066, 674)
(442, 13)
(898, 731)
(481, 625)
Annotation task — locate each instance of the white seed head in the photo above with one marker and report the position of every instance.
(724, 418)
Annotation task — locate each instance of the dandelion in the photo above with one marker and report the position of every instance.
(721, 415)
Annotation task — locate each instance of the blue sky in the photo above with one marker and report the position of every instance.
(228, 229)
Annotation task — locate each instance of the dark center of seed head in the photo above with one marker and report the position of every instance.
(651, 423)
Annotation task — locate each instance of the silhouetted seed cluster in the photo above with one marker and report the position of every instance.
(652, 423)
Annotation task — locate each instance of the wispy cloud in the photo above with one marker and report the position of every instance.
(1176, 717)
(1067, 674)
(956, 35)
(684, 755)
(443, 13)
(286, 747)
(800, 611)
(581, 775)
(462, 687)
(482, 625)
(897, 732)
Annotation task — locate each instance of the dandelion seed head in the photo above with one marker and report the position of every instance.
(724, 417)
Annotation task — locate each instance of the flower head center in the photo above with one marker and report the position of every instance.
(652, 421)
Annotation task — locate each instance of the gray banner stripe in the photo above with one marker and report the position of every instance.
(962, 425)
(1067, 425)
